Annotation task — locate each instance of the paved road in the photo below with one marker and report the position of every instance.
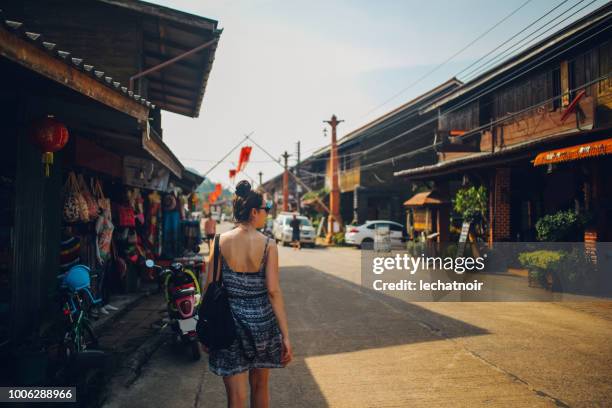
(358, 348)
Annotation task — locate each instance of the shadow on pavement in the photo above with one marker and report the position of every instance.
(329, 315)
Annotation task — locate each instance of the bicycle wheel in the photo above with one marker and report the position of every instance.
(87, 337)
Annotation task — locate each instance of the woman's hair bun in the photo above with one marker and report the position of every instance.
(243, 188)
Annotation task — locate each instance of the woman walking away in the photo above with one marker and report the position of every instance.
(249, 271)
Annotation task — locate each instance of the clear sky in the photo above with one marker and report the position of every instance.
(283, 66)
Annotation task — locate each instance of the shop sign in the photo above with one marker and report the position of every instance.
(143, 173)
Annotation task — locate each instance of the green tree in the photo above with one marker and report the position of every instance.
(471, 203)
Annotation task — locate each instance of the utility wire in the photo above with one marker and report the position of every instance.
(473, 131)
(296, 178)
(449, 58)
(415, 112)
(491, 88)
(504, 54)
(228, 153)
(511, 38)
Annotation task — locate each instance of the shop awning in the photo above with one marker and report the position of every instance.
(425, 198)
(598, 148)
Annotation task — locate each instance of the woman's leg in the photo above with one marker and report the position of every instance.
(258, 379)
(237, 389)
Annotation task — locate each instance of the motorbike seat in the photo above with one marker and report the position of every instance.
(184, 292)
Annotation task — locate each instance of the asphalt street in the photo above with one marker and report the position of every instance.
(355, 347)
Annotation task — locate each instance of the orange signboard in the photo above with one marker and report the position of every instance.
(598, 148)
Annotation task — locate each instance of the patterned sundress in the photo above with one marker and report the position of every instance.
(259, 340)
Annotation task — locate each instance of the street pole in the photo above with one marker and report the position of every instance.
(334, 196)
(297, 173)
(286, 184)
(260, 174)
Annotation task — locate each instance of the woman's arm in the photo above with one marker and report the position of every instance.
(274, 290)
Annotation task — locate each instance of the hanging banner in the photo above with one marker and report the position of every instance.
(232, 174)
(245, 155)
(212, 197)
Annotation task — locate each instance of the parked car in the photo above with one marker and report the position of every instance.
(268, 228)
(282, 229)
(360, 234)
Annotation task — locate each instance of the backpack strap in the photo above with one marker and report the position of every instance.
(216, 260)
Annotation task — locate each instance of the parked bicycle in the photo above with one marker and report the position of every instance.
(77, 299)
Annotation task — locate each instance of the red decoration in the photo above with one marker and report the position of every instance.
(245, 154)
(232, 174)
(49, 135)
(214, 195)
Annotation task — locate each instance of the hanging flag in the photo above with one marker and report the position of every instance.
(212, 197)
(218, 189)
(232, 174)
(245, 154)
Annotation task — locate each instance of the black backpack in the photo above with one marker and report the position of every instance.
(216, 328)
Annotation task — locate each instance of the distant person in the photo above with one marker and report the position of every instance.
(295, 234)
(210, 229)
(250, 273)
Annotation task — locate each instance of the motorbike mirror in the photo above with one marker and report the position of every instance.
(149, 263)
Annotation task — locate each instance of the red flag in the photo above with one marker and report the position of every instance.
(232, 174)
(245, 154)
(218, 189)
(212, 197)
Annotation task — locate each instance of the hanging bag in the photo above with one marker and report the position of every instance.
(103, 202)
(216, 328)
(75, 206)
(126, 216)
(92, 204)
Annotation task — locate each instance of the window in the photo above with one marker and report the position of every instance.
(396, 227)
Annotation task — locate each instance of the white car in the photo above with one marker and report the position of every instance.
(282, 230)
(360, 234)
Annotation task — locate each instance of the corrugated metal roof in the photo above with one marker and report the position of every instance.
(168, 33)
(19, 29)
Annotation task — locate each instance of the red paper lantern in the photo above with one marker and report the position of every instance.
(49, 135)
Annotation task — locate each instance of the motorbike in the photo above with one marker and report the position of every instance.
(183, 297)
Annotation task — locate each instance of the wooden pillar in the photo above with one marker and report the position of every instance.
(499, 206)
(36, 238)
(334, 195)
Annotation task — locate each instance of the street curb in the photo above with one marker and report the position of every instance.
(130, 371)
(101, 325)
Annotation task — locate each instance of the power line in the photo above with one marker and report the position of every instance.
(297, 179)
(222, 161)
(472, 131)
(228, 153)
(513, 37)
(489, 89)
(504, 54)
(414, 112)
(450, 58)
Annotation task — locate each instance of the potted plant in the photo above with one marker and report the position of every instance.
(542, 265)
